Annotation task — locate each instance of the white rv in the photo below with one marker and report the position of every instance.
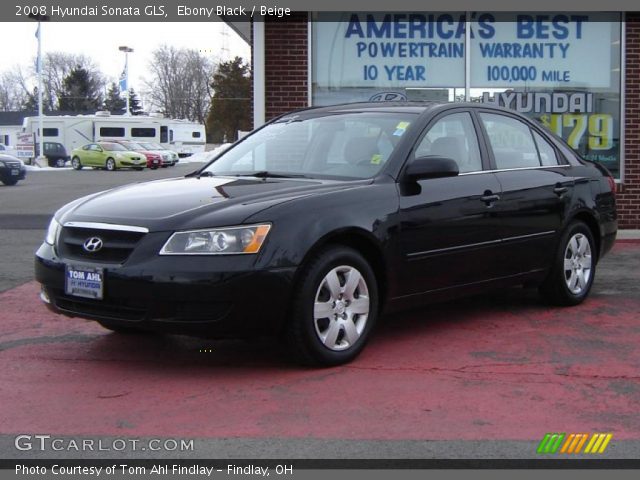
(73, 131)
(183, 136)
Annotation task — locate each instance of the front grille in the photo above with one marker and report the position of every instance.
(12, 164)
(117, 244)
(96, 308)
(139, 309)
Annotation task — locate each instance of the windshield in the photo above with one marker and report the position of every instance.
(113, 147)
(152, 146)
(350, 145)
(132, 146)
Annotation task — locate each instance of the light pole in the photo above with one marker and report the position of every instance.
(39, 19)
(127, 51)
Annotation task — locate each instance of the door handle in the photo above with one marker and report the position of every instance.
(560, 190)
(489, 198)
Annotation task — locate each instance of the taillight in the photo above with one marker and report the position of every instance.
(612, 185)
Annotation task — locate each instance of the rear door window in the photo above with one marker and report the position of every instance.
(547, 152)
(511, 142)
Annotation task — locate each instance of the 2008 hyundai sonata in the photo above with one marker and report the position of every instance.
(316, 223)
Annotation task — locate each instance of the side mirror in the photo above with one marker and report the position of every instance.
(431, 167)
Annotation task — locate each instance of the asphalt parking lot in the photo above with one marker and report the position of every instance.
(485, 377)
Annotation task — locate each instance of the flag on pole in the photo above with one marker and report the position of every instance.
(123, 81)
(38, 58)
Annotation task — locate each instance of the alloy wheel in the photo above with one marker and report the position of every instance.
(577, 263)
(341, 308)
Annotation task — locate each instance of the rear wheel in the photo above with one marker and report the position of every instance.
(334, 309)
(60, 162)
(76, 164)
(110, 164)
(574, 268)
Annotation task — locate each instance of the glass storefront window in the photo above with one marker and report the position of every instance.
(562, 69)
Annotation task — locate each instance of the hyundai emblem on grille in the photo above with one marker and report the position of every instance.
(92, 244)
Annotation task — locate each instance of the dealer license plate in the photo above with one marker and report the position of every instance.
(15, 171)
(84, 281)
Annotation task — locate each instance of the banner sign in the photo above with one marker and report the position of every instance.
(552, 50)
(428, 50)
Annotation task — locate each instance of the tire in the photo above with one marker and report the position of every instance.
(119, 328)
(153, 168)
(76, 164)
(351, 313)
(138, 169)
(61, 162)
(164, 166)
(110, 165)
(574, 267)
(10, 182)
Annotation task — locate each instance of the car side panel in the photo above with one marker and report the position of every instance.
(448, 235)
(532, 211)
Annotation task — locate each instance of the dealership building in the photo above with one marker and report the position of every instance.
(577, 73)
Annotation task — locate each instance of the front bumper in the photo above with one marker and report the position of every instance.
(201, 296)
(127, 162)
(6, 174)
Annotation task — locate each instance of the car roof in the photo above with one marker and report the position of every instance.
(417, 107)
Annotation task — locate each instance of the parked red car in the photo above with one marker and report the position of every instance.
(154, 160)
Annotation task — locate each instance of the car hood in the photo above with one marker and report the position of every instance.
(191, 202)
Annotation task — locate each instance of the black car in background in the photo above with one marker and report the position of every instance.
(11, 170)
(313, 225)
(55, 153)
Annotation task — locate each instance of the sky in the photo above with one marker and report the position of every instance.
(100, 42)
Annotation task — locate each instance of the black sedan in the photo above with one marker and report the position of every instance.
(11, 170)
(318, 222)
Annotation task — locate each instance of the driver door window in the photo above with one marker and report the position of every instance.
(453, 137)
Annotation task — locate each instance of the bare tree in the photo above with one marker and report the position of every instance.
(179, 83)
(12, 93)
(56, 67)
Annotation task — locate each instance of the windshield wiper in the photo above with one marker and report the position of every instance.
(267, 174)
(203, 174)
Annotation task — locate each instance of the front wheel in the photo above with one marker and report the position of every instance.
(574, 267)
(334, 309)
(10, 182)
(111, 164)
(138, 169)
(75, 163)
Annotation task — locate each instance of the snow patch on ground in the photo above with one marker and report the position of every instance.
(35, 168)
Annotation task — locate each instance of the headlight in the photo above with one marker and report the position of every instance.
(52, 232)
(2, 164)
(217, 241)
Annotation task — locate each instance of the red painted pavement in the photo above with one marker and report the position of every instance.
(506, 368)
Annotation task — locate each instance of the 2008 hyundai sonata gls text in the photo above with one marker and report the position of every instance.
(316, 223)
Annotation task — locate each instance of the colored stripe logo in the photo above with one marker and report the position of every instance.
(574, 443)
